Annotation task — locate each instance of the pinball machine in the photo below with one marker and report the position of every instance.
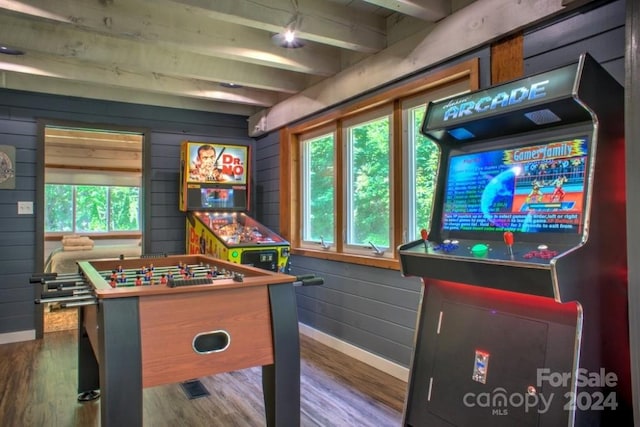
(215, 194)
(523, 314)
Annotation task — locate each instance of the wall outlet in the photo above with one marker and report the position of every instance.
(25, 208)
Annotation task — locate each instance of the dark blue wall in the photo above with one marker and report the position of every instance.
(373, 308)
(166, 127)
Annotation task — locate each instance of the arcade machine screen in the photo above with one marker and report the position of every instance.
(217, 197)
(531, 189)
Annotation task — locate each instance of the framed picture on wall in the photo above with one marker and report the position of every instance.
(7, 167)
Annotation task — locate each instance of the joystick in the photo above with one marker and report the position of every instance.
(425, 236)
(508, 240)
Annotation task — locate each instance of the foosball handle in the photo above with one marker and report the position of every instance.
(311, 281)
(88, 396)
(39, 277)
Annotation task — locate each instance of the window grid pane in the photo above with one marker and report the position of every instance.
(58, 215)
(426, 156)
(319, 189)
(368, 201)
(91, 208)
(124, 208)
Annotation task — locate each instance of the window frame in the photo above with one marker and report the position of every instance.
(465, 73)
(313, 244)
(369, 116)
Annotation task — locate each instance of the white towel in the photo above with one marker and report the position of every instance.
(77, 248)
(74, 240)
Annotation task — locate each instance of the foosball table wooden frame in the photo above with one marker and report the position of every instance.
(144, 336)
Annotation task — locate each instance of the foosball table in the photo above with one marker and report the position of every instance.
(149, 321)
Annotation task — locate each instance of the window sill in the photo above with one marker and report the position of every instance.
(372, 261)
(52, 237)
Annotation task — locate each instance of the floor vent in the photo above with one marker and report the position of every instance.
(194, 389)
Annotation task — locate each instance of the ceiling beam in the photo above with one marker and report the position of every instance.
(54, 86)
(427, 10)
(72, 69)
(475, 25)
(315, 20)
(179, 28)
(67, 42)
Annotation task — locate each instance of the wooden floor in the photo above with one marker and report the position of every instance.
(38, 388)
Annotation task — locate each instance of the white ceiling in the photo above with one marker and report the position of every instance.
(184, 49)
(178, 53)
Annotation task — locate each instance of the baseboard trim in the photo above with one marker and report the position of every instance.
(18, 336)
(380, 363)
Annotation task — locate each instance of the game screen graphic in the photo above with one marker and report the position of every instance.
(217, 163)
(531, 189)
(218, 198)
(224, 197)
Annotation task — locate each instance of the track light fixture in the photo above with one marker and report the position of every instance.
(288, 37)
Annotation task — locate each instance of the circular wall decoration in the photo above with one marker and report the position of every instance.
(6, 167)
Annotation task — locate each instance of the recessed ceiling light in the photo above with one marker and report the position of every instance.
(10, 51)
(231, 85)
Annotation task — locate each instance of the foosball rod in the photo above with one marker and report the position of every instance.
(155, 270)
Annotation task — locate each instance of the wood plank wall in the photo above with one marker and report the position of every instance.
(166, 127)
(375, 309)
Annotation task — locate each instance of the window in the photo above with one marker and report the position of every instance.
(422, 158)
(359, 180)
(318, 189)
(367, 142)
(91, 208)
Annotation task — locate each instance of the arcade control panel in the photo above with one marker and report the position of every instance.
(486, 263)
(490, 251)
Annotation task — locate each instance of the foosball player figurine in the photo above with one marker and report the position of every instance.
(114, 275)
(138, 281)
(114, 282)
(163, 279)
(123, 278)
(148, 275)
(119, 269)
(151, 267)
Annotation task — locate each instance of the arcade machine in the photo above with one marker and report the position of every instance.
(214, 191)
(523, 315)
